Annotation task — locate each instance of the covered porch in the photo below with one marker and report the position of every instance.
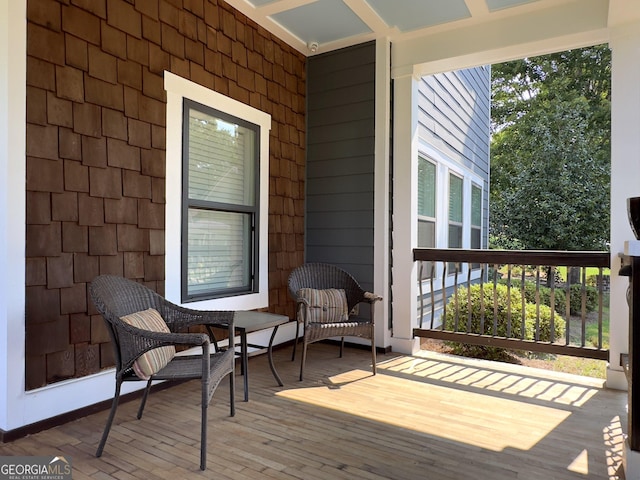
(426, 415)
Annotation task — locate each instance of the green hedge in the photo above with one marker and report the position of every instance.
(502, 294)
(560, 298)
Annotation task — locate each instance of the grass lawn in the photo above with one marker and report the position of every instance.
(591, 271)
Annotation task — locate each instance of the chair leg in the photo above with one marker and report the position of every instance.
(232, 393)
(373, 356)
(341, 346)
(112, 414)
(143, 402)
(304, 356)
(203, 429)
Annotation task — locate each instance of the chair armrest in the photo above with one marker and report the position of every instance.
(165, 338)
(371, 297)
(180, 318)
(303, 301)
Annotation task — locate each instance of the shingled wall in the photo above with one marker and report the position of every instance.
(96, 154)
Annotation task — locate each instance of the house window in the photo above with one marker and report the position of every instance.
(476, 216)
(220, 161)
(426, 209)
(476, 219)
(455, 214)
(217, 199)
(426, 203)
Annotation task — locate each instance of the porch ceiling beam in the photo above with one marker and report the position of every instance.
(622, 12)
(531, 33)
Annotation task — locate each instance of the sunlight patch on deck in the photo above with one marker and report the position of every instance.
(492, 421)
(580, 464)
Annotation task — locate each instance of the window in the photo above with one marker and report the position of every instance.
(476, 219)
(217, 199)
(476, 216)
(455, 214)
(426, 203)
(220, 158)
(426, 209)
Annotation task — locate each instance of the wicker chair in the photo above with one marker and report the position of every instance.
(115, 298)
(323, 276)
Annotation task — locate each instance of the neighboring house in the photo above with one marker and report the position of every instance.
(453, 163)
(453, 159)
(103, 102)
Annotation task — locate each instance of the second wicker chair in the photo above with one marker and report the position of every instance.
(322, 276)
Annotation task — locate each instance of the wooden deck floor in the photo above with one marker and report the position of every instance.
(423, 417)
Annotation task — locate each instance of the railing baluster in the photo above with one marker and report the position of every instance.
(583, 305)
(420, 266)
(455, 295)
(536, 334)
(495, 300)
(469, 309)
(600, 304)
(552, 302)
(433, 294)
(509, 267)
(568, 306)
(524, 313)
(444, 294)
(482, 316)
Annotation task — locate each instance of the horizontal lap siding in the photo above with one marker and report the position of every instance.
(340, 160)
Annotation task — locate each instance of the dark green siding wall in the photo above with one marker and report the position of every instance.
(340, 160)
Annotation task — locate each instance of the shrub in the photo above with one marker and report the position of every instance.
(576, 299)
(560, 298)
(504, 296)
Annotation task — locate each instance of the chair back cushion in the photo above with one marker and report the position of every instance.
(156, 359)
(326, 305)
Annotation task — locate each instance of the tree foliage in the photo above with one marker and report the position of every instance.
(550, 151)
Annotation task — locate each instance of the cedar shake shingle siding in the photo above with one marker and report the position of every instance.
(96, 159)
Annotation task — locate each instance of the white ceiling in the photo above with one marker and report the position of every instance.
(317, 26)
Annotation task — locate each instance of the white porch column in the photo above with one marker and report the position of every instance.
(12, 207)
(381, 200)
(405, 229)
(625, 182)
(625, 179)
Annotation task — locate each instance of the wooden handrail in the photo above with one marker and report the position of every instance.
(520, 257)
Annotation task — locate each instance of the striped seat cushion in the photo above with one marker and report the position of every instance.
(154, 360)
(326, 306)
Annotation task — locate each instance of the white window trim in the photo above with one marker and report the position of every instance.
(177, 89)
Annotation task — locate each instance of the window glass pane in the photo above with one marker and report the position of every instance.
(455, 199)
(221, 160)
(455, 236)
(426, 188)
(475, 238)
(426, 234)
(219, 251)
(476, 206)
(455, 241)
(426, 239)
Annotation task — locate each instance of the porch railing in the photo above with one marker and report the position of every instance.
(543, 301)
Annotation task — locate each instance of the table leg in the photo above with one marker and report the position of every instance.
(270, 355)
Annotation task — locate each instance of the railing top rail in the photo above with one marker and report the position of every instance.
(515, 257)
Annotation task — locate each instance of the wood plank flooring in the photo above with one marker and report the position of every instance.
(422, 417)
